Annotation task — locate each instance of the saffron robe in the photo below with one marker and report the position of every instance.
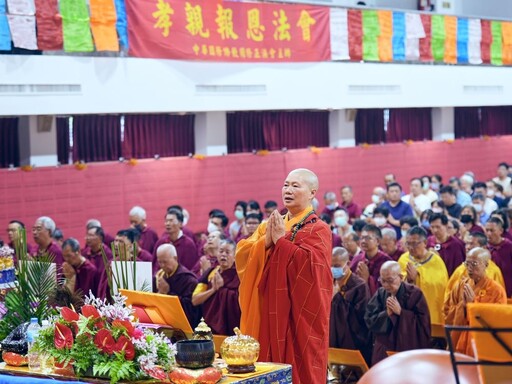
(347, 327)
(452, 251)
(185, 249)
(374, 265)
(410, 330)
(486, 291)
(148, 239)
(432, 280)
(182, 284)
(502, 256)
(285, 295)
(492, 271)
(221, 311)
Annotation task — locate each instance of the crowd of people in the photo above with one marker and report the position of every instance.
(400, 264)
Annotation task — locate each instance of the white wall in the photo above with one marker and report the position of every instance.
(129, 85)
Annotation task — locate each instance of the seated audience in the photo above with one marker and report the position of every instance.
(211, 253)
(341, 223)
(351, 243)
(416, 199)
(477, 201)
(427, 189)
(474, 288)
(217, 292)
(378, 197)
(397, 315)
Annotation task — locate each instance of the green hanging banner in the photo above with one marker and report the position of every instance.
(438, 37)
(75, 26)
(497, 43)
(371, 33)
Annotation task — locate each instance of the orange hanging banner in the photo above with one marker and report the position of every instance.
(506, 31)
(228, 31)
(386, 35)
(103, 25)
(450, 43)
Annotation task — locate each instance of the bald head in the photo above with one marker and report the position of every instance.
(391, 267)
(340, 254)
(308, 176)
(482, 254)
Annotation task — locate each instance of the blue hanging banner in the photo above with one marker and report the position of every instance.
(398, 36)
(462, 40)
(5, 32)
(122, 23)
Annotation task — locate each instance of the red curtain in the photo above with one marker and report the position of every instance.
(409, 124)
(158, 134)
(9, 142)
(245, 132)
(96, 138)
(496, 121)
(467, 122)
(274, 130)
(63, 147)
(370, 126)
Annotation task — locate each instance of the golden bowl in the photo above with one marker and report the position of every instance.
(240, 352)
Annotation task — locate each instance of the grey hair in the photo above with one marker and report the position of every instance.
(139, 212)
(482, 254)
(341, 252)
(92, 223)
(71, 243)
(47, 223)
(389, 232)
(167, 249)
(392, 266)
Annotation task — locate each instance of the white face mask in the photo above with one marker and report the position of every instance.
(426, 186)
(375, 199)
(340, 221)
(490, 193)
(437, 210)
(212, 227)
(239, 215)
(379, 221)
(478, 207)
(404, 233)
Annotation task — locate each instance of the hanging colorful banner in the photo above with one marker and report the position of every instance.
(462, 40)
(5, 33)
(426, 42)
(386, 35)
(506, 29)
(450, 42)
(23, 31)
(355, 34)
(103, 25)
(122, 23)
(371, 32)
(438, 37)
(485, 45)
(21, 7)
(228, 31)
(497, 44)
(414, 31)
(399, 34)
(339, 34)
(49, 25)
(75, 21)
(475, 38)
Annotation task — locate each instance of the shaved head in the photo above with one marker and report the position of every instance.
(341, 254)
(308, 176)
(391, 266)
(483, 254)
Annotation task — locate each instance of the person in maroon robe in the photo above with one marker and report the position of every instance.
(397, 315)
(211, 253)
(185, 247)
(367, 265)
(217, 291)
(124, 245)
(174, 279)
(42, 233)
(186, 216)
(148, 236)
(390, 245)
(502, 213)
(331, 205)
(501, 250)
(351, 242)
(350, 296)
(93, 251)
(108, 239)
(14, 229)
(353, 209)
(451, 249)
(80, 274)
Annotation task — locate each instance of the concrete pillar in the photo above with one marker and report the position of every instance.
(342, 128)
(211, 133)
(443, 124)
(38, 140)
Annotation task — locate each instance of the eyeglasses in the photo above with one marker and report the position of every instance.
(412, 244)
(472, 264)
(387, 281)
(367, 238)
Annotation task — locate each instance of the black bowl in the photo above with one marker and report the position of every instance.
(195, 353)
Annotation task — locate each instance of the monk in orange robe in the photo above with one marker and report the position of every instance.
(475, 288)
(286, 283)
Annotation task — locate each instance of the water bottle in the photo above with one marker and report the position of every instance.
(47, 360)
(34, 363)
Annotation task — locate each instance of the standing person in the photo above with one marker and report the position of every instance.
(148, 236)
(396, 206)
(286, 283)
(353, 209)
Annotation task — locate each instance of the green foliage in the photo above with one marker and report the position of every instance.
(35, 284)
(118, 369)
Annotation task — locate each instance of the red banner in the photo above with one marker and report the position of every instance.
(228, 31)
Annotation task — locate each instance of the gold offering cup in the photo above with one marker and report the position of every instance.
(240, 352)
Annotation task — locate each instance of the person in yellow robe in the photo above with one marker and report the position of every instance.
(425, 269)
(474, 288)
(493, 272)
